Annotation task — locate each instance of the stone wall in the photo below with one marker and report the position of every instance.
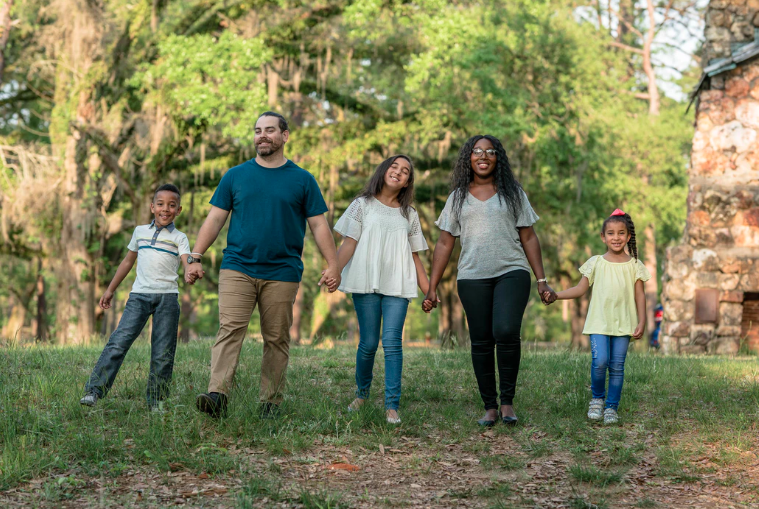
(720, 247)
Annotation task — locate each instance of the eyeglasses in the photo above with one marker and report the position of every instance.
(491, 152)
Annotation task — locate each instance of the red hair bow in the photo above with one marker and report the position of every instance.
(617, 212)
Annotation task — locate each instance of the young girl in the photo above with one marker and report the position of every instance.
(491, 215)
(381, 268)
(617, 310)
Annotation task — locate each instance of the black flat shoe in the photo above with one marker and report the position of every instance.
(509, 421)
(269, 411)
(486, 423)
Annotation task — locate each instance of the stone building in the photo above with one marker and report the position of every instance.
(711, 282)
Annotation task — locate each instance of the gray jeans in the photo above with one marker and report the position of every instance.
(165, 310)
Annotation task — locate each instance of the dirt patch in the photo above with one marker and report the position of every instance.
(416, 473)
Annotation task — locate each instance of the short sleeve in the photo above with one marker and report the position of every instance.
(313, 203)
(527, 216)
(223, 197)
(184, 245)
(133, 243)
(351, 222)
(415, 236)
(641, 272)
(446, 221)
(588, 269)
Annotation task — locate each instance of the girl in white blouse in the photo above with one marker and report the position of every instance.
(381, 267)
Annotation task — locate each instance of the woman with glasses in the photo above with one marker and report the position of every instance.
(490, 213)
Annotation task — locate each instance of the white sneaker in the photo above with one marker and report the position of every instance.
(610, 416)
(596, 409)
(158, 408)
(392, 420)
(89, 399)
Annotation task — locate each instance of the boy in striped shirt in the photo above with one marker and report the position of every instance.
(157, 248)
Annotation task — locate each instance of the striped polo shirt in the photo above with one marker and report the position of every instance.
(158, 256)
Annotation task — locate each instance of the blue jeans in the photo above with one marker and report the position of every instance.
(163, 344)
(379, 312)
(609, 352)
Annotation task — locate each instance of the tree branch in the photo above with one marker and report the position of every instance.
(106, 155)
(5, 24)
(617, 44)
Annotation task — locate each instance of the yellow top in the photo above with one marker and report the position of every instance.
(612, 308)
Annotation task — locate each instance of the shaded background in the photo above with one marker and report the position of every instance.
(102, 101)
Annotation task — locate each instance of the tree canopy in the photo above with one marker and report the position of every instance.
(104, 101)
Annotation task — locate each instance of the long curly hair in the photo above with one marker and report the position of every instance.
(508, 188)
(377, 182)
(628, 222)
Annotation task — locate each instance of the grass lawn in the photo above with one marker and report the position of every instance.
(688, 435)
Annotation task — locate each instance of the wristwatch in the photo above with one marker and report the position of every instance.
(544, 280)
(194, 259)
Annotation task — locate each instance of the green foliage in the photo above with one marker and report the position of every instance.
(209, 81)
(172, 94)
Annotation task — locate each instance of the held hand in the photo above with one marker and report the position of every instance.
(427, 305)
(193, 273)
(639, 330)
(430, 300)
(547, 295)
(330, 277)
(105, 300)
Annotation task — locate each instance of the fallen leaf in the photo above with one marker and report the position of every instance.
(203, 476)
(342, 466)
(382, 449)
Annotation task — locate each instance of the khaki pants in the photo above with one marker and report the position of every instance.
(238, 296)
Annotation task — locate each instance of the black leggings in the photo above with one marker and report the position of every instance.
(494, 309)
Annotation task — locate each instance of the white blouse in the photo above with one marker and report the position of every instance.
(382, 262)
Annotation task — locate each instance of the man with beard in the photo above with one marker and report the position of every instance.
(270, 200)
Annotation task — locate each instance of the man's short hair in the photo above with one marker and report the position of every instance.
(168, 187)
(282, 122)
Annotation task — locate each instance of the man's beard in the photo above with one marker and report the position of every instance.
(267, 151)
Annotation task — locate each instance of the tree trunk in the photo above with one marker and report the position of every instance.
(295, 336)
(187, 302)
(626, 15)
(154, 17)
(648, 68)
(652, 285)
(40, 324)
(580, 311)
(444, 321)
(5, 26)
(184, 331)
(75, 312)
(457, 318)
(12, 330)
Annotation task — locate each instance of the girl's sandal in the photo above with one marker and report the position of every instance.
(356, 404)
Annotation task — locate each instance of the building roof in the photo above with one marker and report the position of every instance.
(742, 52)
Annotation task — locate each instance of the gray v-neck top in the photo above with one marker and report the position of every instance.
(490, 244)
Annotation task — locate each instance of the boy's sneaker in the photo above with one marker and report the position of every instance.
(157, 408)
(213, 404)
(610, 416)
(89, 399)
(596, 409)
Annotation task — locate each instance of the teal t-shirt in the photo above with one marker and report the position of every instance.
(268, 221)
